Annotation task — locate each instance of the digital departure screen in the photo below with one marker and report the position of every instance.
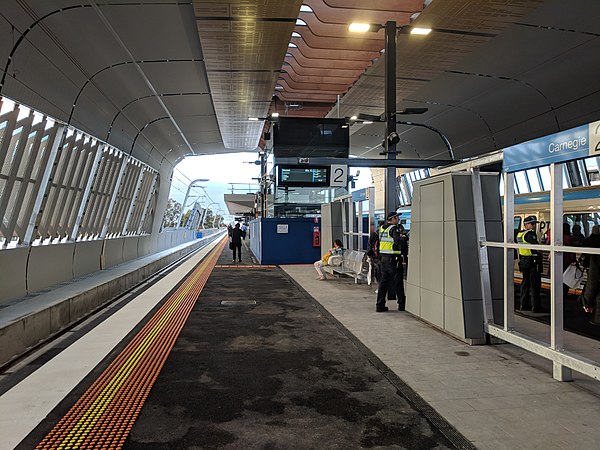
(301, 176)
(307, 137)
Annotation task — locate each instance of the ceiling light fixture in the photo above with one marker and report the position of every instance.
(275, 115)
(253, 119)
(353, 118)
(359, 27)
(421, 31)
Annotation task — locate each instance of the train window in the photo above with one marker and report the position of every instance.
(521, 182)
(591, 167)
(517, 220)
(584, 220)
(566, 178)
(534, 180)
(545, 176)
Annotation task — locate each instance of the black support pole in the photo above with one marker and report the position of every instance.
(391, 197)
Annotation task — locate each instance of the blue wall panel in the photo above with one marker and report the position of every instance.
(293, 247)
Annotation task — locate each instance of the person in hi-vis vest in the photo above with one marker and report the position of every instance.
(391, 249)
(530, 263)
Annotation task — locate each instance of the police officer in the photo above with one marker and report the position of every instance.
(530, 265)
(391, 247)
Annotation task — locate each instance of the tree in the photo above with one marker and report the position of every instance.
(171, 213)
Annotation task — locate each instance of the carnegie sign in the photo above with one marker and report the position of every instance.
(576, 143)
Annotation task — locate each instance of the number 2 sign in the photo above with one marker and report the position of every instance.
(339, 175)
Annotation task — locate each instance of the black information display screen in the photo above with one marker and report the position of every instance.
(303, 176)
(304, 137)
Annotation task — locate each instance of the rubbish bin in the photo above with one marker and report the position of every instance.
(198, 234)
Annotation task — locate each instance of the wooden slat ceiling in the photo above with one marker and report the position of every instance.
(164, 80)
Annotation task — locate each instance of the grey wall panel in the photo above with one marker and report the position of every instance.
(452, 285)
(473, 310)
(415, 215)
(49, 265)
(113, 252)
(413, 299)
(87, 257)
(491, 197)
(468, 260)
(453, 316)
(432, 256)
(493, 231)
(130, 248)
(147, 245)
(13, 273)
(432, 197)
(463, 197)
(325, 226)
(449, 213)
(164, 239)
(432, 307)
(414, 255)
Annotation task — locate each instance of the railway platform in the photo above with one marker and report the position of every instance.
(249, 356)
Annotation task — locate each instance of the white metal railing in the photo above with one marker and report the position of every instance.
(563, 361)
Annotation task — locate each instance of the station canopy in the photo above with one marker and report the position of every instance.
(166, 80)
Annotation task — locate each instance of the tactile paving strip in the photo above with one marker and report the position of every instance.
(241, 266)
(104, 415)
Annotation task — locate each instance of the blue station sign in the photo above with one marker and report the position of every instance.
(576, 143)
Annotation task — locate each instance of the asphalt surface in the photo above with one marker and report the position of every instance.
(270, 370)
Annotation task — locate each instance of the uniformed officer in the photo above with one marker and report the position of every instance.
(530, 263)
(391, 247)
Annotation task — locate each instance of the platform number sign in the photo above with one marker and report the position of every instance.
(339, 175)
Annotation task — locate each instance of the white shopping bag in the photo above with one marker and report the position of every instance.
(572, 276)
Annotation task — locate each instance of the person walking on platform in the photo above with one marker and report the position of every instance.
(236, 241)
(530, 263)
(391, 247)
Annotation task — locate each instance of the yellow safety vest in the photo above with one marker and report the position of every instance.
(521, 240)
(386, 241)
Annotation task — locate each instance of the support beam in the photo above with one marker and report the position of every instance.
(364, 162)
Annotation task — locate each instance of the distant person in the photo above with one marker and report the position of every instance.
(236, 241)
(568, 258)
(577, 237)
(229, 229)
(591, 291)
(373, 252)
(244, 230)
(530, 263)
(391, 249)
(337, 249)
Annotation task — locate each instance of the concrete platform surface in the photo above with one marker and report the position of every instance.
(498, 397)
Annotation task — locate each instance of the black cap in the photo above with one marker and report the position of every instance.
(530, 219)
(392, 214)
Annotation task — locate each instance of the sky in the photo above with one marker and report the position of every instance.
(221, 170)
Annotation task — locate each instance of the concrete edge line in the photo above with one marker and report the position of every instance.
(402, 388)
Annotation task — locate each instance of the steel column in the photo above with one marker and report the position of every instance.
(43, 185)
(509, 253)
(560, 372)
(113, 199)
(391, 199)
(86, 192)
(484, 266)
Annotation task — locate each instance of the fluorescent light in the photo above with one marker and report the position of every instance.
(353, 118)
(254, 119)
(367, 122)
(359, 27)
(423, 31)
(344, 126)
(275, 115)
